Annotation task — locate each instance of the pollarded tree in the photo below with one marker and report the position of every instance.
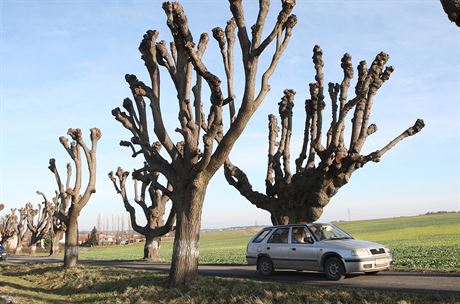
(322, 167)
(191, 167)
(8, 226)
(452, 9)
(56, 226)
(38, 222)
(21, 226)
(71, 199)
(155, 227)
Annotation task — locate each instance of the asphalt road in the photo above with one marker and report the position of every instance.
(444, 283)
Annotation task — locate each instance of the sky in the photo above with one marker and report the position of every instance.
(63, 65)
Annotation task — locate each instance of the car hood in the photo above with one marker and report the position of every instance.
(351, 244)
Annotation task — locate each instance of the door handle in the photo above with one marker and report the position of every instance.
(268, 248)
(293, 249)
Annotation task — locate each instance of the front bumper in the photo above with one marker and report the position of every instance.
(368, 264)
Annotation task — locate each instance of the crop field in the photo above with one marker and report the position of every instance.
(429, 242)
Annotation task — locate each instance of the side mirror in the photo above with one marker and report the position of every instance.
(309, 239)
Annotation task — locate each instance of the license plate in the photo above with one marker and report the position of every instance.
(381, 262)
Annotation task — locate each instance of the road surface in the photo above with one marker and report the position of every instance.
(444, 283)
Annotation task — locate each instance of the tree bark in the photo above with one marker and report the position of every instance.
(71, 243)
(33, 249)
(18, 249)
(452, 9)
(54, 246)
(152, 248)
(184, 266)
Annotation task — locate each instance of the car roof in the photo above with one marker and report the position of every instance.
(291, 225)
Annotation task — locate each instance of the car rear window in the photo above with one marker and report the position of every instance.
(280, 236)
(261, 236)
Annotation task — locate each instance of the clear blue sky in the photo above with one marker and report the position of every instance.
(63, 65)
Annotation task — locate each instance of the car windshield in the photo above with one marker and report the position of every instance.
(325, 232)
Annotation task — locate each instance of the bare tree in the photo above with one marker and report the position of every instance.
(190, 168)
(38, 222)
(8, 226)
(2, 207)
(20, 229)
(301, 197)
(452, 9)
(55, 225)
(71, 200)
(155, 227)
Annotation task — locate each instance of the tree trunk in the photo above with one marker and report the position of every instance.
(18, 249)
(152, 248)
(33, 248)
(54, 246)
(184, 265)
(71, 243)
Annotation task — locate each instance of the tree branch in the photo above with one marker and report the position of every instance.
(375, 156)
(239, 180)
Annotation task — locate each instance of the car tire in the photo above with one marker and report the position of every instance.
(265, 266)
(371, 272)
(334, 269)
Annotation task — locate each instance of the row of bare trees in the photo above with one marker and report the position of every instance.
(36, 220)
(178, 174)
(59, 216)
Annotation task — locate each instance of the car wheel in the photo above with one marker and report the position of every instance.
(334, 269)
(265, 266)
(371, 272)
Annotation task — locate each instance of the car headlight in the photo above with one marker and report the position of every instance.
(359, 252)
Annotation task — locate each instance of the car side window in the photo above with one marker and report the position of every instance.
(300, 235)
(261, 236)
(280, 236)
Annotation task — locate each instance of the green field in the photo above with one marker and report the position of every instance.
(429, 242)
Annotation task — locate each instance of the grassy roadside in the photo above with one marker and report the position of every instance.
(48, 283)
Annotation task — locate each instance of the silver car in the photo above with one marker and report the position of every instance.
(316, 247)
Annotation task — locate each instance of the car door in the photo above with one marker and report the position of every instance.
(304, 252)
(278, 247)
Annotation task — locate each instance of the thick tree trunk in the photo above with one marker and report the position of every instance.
(54, 246)
(184, 266)
(152, 248)
(18, 249)
(71, 243)
(33, 249)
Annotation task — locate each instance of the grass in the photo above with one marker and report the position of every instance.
(48, 283)
(424, 243)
